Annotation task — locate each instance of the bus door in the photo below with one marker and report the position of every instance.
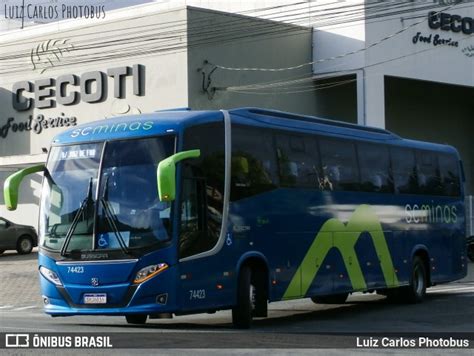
(196, 236)
(201, 212)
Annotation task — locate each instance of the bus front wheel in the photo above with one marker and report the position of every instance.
(246, 296)
(136, 319)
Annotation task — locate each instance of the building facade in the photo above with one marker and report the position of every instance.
(412, 71)
(405, 66)
(139, 60)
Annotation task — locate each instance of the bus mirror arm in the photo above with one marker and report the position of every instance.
(166, 174)
(12, 185)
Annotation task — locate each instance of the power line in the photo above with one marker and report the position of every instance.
(170, 46)
(189, 28)
(141, 34)
(247, 89)
(333, 57)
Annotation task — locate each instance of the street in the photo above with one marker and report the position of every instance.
(448, 310)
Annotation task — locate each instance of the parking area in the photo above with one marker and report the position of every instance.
(20, 292)
(19, 280)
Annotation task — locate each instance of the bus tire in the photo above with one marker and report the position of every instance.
(260, 281)
(415, 292)
(136, 318)
(394, 295)
(470, 251)
(24, 245)
(331, 299)
(242, 313)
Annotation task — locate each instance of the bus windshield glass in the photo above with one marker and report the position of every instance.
(124, 212)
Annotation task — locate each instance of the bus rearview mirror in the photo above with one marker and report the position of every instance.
(12, 185)
(166, 174)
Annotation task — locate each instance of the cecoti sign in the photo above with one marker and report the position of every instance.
(70, 89)
(448, 22)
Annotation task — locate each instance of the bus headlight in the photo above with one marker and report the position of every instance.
(50, 276)
(146, 273)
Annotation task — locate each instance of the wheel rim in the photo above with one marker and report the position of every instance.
(25, 244)
(418, 281)
(252, 296)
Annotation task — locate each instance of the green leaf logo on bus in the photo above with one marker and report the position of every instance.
(336, 234)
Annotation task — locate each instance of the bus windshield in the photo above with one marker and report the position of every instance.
(125, 212)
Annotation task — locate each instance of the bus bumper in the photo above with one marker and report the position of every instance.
(57, 310)
(155, 296)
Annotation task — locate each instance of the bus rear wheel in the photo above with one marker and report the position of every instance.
(246, 300)
(331, 299)
(136, 319)
(415, 292)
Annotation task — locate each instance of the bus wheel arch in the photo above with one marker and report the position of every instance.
(421, 252)
(419, 277)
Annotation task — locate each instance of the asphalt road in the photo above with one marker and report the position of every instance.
(447, 311)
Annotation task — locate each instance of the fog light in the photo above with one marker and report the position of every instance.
(45, 300)
(162, 298)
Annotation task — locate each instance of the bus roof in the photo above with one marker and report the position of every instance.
(130, 126)
(174, 121)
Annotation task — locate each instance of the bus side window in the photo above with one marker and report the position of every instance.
(297, 160)
(339, 163)
(374, 163)
(449, 172)
(404, 170)
(253, 162)
(428, 173)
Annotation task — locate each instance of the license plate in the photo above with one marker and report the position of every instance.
(95, 298)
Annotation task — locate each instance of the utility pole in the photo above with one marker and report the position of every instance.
(22, 14)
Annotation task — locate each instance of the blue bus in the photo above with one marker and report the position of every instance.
(181, 212)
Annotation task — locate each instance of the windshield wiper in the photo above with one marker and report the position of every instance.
(110, 217)
(85, 204)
